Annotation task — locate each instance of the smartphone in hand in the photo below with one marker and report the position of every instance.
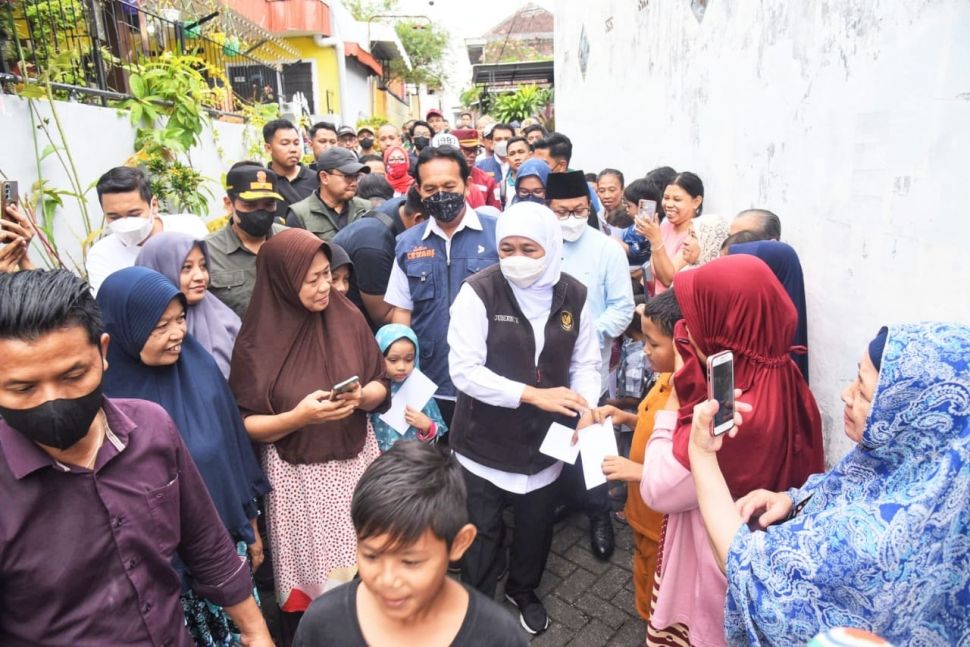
(346, 386)
(9, 195)
(647, 210)
(720, 384)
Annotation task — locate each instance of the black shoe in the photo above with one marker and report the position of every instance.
(532, 614)
(601, 541)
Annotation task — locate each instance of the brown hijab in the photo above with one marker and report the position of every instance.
(284, 352)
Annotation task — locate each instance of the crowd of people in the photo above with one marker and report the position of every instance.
(206, 410)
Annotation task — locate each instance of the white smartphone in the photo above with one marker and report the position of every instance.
(647, 209)
(720, 385)
(346, 386)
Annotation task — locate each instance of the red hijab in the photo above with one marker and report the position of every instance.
(398, 175)
(736, 303)
(284, 352)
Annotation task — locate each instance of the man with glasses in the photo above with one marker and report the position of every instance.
(599, 262)
(335, 204)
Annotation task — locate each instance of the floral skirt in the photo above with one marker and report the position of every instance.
(208, 623)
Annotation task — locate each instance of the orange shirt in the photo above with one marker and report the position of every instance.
(641, 518)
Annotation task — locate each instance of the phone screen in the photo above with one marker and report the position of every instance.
(722, 389)
(646, 209)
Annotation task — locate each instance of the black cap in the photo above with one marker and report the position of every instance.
(346, 130)
(565, 186)
(340, 159)
(252, 182)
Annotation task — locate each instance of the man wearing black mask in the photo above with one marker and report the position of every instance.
(251, 200)
(365, 139)
(421, 134)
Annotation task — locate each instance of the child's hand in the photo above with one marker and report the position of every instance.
(617, 468)
(417, 419)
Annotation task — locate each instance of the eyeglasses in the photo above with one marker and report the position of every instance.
(582, 212)
(535, 193)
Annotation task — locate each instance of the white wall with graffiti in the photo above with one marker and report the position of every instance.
(850, 119)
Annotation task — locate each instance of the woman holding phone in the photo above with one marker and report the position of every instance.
(683, 200)
(879, 542)
(733, 303)
(299, 341)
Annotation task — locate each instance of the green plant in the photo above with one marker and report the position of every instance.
(521, 104)
(364, 10)
(256, 116)
(55, 26)
(168, 108)
(426, 45)
(374, 122)
(472, 96)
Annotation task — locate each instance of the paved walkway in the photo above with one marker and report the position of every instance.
(590, 602)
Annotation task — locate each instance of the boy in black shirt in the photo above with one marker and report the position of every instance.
(410, 513)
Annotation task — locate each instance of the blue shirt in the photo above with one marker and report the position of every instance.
(600, 264)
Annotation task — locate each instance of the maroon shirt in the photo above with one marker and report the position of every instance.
(85, 556)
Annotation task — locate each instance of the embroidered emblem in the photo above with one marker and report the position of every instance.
(566, 320)
(420, 252)
(260, 182)
(507, 318)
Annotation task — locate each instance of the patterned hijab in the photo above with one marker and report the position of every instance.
(710, 230)
(882, 544)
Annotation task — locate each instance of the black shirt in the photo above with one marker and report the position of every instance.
(370, 245)
(299, 188)
(332, 620)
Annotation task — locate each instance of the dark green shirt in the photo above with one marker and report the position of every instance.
(314, 214)
(232, 268)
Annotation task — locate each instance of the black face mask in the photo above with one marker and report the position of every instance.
(256, 223)
(56, 423)
(443, 206)
(367, 143)
(421, 142)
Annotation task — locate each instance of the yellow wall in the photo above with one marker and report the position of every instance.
(325, 59)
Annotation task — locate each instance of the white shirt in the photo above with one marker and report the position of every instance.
(109, 254)
(467, 335)
(398, 292)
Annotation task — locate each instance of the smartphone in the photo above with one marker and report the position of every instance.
(346, 386)
(9, 194)
(720, 384)
(647, 209)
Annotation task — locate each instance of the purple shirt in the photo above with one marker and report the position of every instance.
(85, 556)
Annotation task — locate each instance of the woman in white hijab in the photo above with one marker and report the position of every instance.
(523, 354)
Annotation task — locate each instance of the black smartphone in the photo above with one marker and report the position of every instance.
(720, 384)
(9, 194)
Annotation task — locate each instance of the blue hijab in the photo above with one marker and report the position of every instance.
(389, 334)
(883, 544)
(783, 261)
(192, 391)
(531, 168)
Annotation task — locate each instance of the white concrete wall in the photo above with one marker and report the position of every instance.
(99, 139)
(358, 93)
(850, 119)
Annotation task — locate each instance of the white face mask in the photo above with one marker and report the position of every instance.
(501, 148)
(522, 271)
(573, 228)
(133, 230)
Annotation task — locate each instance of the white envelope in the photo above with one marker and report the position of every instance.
(414, 392)
(596, 442)
(556, 444)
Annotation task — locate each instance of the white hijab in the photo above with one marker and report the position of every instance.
(539, 224)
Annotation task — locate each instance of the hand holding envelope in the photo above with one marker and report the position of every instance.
(595, 443)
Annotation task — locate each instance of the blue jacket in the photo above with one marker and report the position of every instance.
(434, 280)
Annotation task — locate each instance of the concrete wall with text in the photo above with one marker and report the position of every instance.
(850, 119)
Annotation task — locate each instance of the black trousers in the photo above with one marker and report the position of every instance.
(575, 495)
(533, 515)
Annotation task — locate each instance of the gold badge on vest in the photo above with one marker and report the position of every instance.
(566, 320)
